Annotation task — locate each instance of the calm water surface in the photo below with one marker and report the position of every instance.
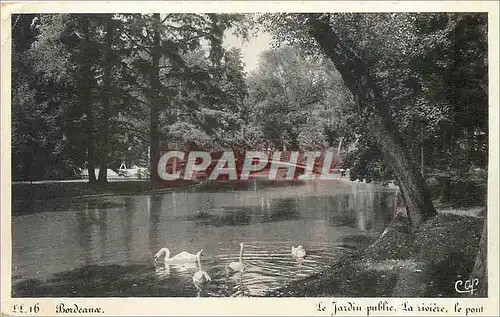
(328, 219)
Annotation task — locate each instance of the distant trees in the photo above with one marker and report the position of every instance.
(298, 101)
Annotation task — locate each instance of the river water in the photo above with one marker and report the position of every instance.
(329, 219)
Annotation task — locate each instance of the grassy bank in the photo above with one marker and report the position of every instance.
(53, 190)
(66, 190)
(424, 263)
(101, 281)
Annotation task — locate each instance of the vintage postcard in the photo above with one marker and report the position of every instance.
(327, 158)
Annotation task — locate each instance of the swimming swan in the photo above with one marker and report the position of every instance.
(237, 266)
(201, 277)
(299, 251)
(182, 257)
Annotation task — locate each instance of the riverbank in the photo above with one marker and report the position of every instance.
(55, 190)
(424, 263)
(60, 190)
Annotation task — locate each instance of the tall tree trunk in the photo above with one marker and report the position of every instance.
(480, 270)
(339, 147)
(155, 99)
(86, 99)
(106, 99)
(422, 167)
(380, 124)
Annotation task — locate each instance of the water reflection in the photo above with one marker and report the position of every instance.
(92, 233)
(84, 236)
(25, 207)
(126, 221)
(154, 209)
(165, 270)
(273, 211)
(329, 220)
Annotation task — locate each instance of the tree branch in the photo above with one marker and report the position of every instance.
(357, 78)
(139, 46)
(143, 135)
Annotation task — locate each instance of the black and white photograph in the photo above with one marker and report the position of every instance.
(250, 154)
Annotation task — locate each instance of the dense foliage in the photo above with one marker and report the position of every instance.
(97, 90)
(432, 68)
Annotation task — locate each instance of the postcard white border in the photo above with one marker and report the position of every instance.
(245, 306)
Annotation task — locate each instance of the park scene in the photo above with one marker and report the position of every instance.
(249, 155)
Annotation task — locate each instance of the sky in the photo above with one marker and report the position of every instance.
(250, 49)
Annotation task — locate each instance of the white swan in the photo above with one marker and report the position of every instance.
(237, 266)
(299, 251)
(183, 257)
(200, 278)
